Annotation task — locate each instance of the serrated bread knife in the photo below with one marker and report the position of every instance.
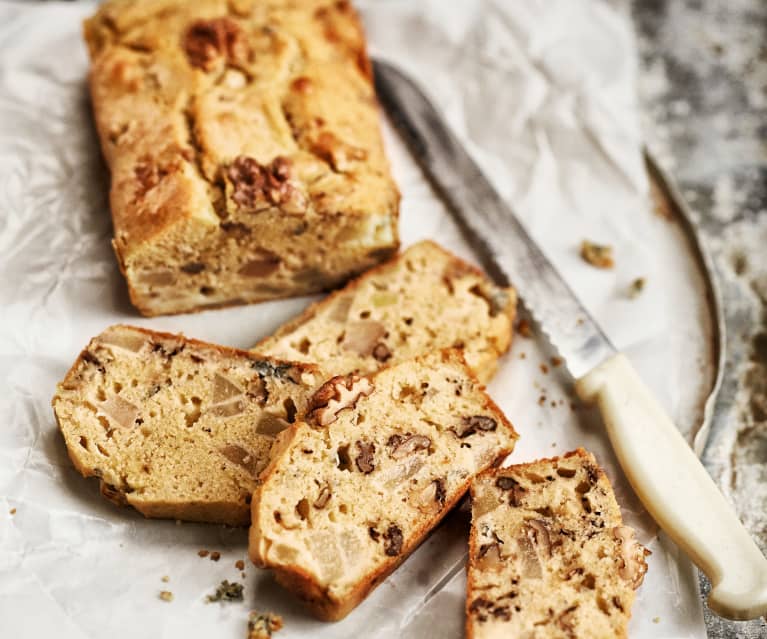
(663, 470)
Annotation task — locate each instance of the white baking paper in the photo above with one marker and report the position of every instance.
(543, 94)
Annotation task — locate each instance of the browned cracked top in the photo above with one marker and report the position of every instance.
(210, 107)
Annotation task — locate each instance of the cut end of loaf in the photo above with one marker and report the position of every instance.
(381, 459)
(175, 427)
(549, 554)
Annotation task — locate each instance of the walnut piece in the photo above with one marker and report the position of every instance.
(208, 41)
(474, 423)
(598, 255)
(336, 394)
(516, 491)
(259, 187)
(633, 566)
(393, 541)
(263, 625)
(381, 352)
(323, 498)
(364, 460)
(404, 446)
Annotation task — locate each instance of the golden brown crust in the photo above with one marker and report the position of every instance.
(184, 94)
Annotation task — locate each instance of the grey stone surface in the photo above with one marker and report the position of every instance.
(703, 88)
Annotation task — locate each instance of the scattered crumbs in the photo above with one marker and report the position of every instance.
(553, 403)
(542, 400)
(739, 263)
(203, 553)
(239, 564)
(523, 356)
(556, 361)
(215, 556)
(166, 595)
(227, 591)
(553, 444)
(579, 321)
(598, 255)
(165, 579)
(523, 328)
(656, 619)
(637, 286)
(261, 626)
(243, 575)
(13, 511)
(544, 369)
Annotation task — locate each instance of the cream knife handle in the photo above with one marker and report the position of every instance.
(676, 489)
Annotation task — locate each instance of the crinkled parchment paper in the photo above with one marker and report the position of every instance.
(543, 94)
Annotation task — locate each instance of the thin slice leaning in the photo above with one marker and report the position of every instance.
(423, 300)
(175, 427)
(549, 556)
(351, 492)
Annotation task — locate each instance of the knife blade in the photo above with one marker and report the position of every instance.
(662, 469)
(504, 246)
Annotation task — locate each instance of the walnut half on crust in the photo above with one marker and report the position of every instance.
(337, 393)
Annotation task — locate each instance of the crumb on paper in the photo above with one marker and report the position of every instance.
(239, 564)
(542, 400)
(262, 625)
(13, 511)
(556, 361)
(165, 579)
(523, 355)
(227, 591)
(598, 255)
(637, 286)
(203, 553)
(215, 555)
(656, 619)
(166, 595)
(523, 328)
(544, 369)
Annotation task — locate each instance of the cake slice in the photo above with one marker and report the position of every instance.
(174, 427)
(549, 556)
(351, 492)
(422, 300)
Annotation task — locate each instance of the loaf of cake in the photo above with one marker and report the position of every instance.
(549, 556)
(380, 459)
(174, 427)
(422, 300)
(243, 142)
